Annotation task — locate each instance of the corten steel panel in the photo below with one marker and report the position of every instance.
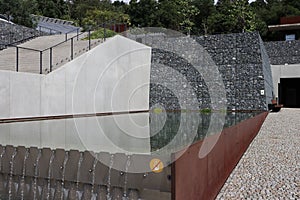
(216, 165)
(190, 174)
(196, 178)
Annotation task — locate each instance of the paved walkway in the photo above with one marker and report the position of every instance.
(270, 168)
(29, 61)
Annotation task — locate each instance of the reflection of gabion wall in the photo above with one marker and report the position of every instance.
(10, 33)
(243, 63)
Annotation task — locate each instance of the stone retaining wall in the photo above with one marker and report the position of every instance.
(12, 33)
(283, 52)
(240, 59)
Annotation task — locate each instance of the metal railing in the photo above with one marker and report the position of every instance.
(45, 60)
(42, 53)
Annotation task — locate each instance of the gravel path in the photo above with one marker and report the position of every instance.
(270, 168)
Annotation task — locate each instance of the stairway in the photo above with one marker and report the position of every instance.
(29, 60)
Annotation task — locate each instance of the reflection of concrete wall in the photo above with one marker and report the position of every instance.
(284, 71)
(119, 133)
(112, 77)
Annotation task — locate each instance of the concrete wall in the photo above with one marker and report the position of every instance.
(111, 77)
(284, 71)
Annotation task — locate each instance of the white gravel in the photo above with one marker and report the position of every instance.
(270, 168)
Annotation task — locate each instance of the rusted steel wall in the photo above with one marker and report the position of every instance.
(195, 178)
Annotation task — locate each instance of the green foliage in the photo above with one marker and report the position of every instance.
(187, 16)
(95, 18)
(143, 13)
(52, 8)
(206, 8)
(271, 12)
(101, 33)
(206, 111)
(187, 11)
(233, 16)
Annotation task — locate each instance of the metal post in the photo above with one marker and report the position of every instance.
(66, 36)
(89, 39)
(41, 62)
(51, 59)
(104, 27)
(17, 59)
(72, 49)
(77, 34)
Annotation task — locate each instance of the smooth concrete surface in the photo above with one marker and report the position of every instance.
(283, 71)
(97, 134)
(112, 77)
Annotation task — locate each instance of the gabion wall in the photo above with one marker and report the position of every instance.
(10, 33)
(242, 61)
(283, 52)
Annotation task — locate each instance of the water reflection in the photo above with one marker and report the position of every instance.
(158, 133)
(56, 173)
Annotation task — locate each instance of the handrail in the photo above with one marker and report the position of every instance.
(63, 41)
(26, 48)
(50, 49)
(21, 41)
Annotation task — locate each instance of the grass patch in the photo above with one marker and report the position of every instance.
(206, 111)
(97, 34)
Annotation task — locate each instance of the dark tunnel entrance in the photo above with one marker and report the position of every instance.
(289, 92)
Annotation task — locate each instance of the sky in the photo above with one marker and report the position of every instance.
(126, 1)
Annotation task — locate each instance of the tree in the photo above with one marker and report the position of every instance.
(95, 18)
(187, 11)
(167, 14)
(23, 14)
(270, 12)
(233, 16)
(52, 8)
(143, 13)
(19, 11)
(9, 8)
(206, 8)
